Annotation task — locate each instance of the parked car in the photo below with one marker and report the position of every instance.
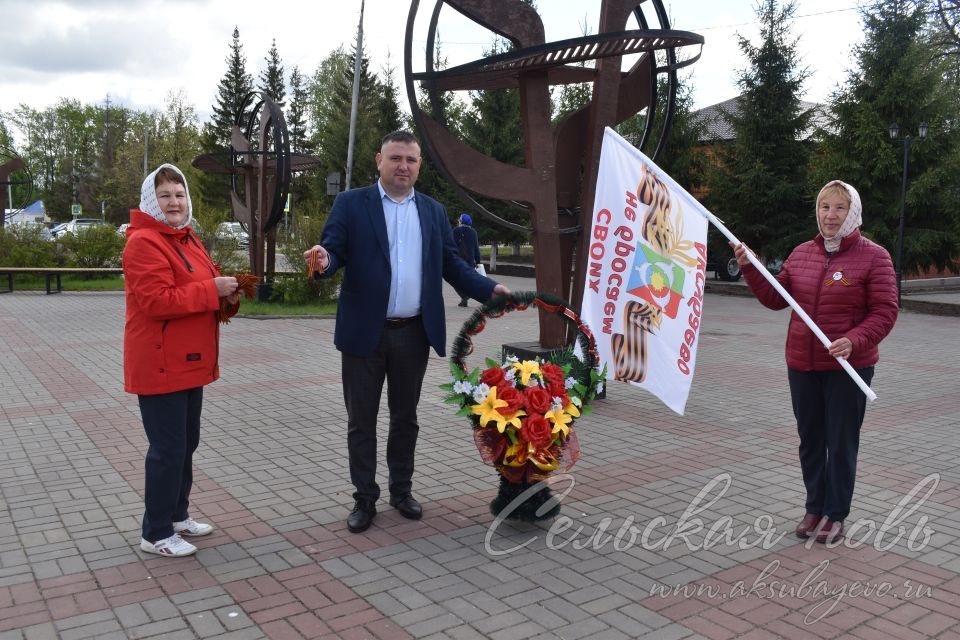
(234, 231)
(77, 224)
(56, 230)
(720, 258)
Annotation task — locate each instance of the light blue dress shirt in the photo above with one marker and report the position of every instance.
(406, 254)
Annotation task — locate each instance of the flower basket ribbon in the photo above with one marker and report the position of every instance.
(523, 412)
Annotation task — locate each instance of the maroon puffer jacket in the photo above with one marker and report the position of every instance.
(852, 293)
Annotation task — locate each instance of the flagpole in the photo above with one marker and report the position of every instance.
(356, 98)
(793, 303)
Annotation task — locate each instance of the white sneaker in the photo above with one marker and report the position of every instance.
(172, 546)
(192, 528)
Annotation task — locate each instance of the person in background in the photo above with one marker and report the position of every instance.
(468, 244)
(170, 350)
(396, 248)
(847, 285)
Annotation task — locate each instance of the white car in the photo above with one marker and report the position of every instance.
(77, 224)
(234, 231)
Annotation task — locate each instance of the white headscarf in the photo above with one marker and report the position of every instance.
(148, 197)
(853, 220)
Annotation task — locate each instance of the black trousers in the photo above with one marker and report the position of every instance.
(829, 407)
(172, 423)
(401, 359)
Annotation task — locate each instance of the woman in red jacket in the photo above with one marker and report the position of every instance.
(847, 285)
(170, 350)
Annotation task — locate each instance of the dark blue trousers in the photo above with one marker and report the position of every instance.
(401, 359)
(172, 423)
(829, 407)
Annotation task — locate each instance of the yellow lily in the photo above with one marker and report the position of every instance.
(526, 369)
(513, 419)
(562, 418)
(488, 409)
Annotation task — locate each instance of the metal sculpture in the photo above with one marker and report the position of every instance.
(10, 163)
(260, 165)
(556, 155)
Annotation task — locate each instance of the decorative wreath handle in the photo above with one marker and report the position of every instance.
(521, 301)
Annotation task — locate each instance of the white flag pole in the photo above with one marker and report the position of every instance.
(793, 303)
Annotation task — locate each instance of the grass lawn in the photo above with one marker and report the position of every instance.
(30, 282)
(254, 308)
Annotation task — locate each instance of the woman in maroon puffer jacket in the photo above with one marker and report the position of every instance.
(847, 285)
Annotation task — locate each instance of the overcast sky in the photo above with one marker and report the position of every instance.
(136, 51)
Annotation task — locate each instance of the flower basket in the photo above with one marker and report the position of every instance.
(522, 411)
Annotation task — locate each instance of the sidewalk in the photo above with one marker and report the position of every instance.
(271, 475)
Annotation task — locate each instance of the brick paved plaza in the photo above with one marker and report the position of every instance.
(272, 477)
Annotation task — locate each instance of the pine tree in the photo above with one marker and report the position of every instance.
(231, 91)
(759, 186)
(297, 114)
(271, 79)
(901, 76)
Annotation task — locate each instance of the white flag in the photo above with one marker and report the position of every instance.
(646, 268)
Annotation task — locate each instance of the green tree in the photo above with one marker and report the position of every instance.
(332, 96)
(759, 185)
(233, 87)
(301, 184)
(297, 114)
(899, 76)
(494, 127)
(271, 79)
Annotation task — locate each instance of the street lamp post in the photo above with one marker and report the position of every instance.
(906, 140)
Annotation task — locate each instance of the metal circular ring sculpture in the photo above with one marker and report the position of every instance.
(263, 112)
(11, 163)
(531, 56)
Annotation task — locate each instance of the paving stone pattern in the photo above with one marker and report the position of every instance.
(672, 526)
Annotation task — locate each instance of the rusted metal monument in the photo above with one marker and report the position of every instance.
(260, 165)
(558, 179)
(11, 163)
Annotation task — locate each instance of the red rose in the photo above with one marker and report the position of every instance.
(536, 399)
(492, 376)
(559, 391)
(552, 373)
(511, 396)
(537, 431)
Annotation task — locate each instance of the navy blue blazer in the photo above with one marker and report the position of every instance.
(355, 238)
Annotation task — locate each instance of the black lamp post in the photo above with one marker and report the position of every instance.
(906, 140)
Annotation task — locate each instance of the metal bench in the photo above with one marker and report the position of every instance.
(53, 274)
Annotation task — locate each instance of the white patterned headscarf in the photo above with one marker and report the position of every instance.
(148, 197)
(853, 220)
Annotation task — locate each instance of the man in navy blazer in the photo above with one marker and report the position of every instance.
(396, 248)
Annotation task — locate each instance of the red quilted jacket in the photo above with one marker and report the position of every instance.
(852, 293)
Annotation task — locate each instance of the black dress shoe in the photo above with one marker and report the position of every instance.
(361, 516)
(407, 506)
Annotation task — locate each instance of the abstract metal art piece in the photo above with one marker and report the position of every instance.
(260, 165)
(10, 163)
(558, 178)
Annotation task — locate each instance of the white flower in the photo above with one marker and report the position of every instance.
(480, 392)
(511, 358)
(511, 375)
(462, 386)
(599, 387)
(534, 381)
(569, 382)
(556, 404)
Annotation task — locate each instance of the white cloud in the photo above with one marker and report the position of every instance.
(138, 50)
